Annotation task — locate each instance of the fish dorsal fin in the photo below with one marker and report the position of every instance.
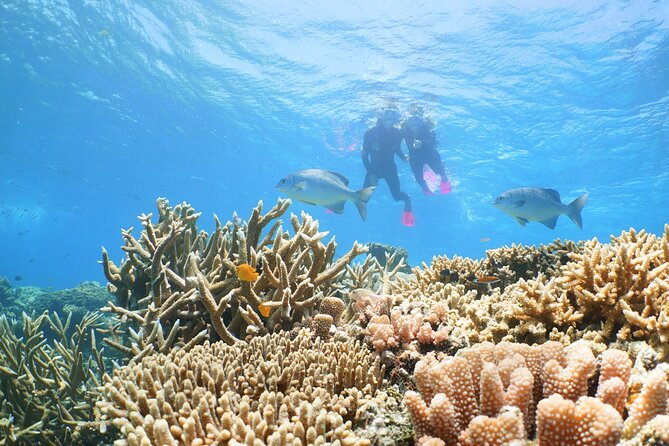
(553, 194)
(324, 173)
(339, 176)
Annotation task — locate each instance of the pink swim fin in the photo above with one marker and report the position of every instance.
(407, 218)
(445, 187)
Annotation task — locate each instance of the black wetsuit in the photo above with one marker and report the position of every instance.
(378, 155)
(426, 154)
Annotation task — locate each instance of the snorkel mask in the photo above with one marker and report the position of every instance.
(390, 117)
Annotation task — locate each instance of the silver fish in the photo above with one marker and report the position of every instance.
(324, 188)
(542, 205)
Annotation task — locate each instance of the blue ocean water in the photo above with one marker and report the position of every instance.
(105, 106)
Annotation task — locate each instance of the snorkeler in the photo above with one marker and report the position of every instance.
(418, 133)
(381, 143)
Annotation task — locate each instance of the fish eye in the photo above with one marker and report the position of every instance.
(283, 181)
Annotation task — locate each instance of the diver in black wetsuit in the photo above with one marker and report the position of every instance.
(381, 143)
(421, 141)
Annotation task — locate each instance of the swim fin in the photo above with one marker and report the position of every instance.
(445, 186)
(407, 218)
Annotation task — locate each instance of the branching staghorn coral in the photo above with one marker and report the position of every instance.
(613, 291)
(623, 284)
(497, 394)
(179, 287)
(48, 387)
(276, 389)
(372, 275)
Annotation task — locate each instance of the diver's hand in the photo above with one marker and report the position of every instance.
(417, 144)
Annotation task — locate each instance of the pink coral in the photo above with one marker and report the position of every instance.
(651, 402)
(589, 422)
(571, 381)
(380, 333)
(494, 431)
(485, 381)
(614, 375)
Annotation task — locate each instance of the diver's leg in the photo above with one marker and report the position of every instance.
(417, 162)
(433, 159)
(394, 185)
(437, 165)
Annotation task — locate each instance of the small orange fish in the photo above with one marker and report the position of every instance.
(247, 273)
(263, 308)
(486, 279)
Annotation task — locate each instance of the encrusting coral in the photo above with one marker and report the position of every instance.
(509, 264)
(277, 389)
(179, 287)
(48, 387)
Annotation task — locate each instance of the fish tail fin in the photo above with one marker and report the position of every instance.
(361, 198)
(575, 207)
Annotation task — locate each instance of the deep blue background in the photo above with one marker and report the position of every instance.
(105, 106)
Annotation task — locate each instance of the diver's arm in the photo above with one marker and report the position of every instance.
(364, 153)
(400, 153)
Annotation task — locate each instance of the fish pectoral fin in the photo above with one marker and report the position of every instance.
(301, 185)
(550, 222)
(521, 221)
(518, 203)
(337, 208)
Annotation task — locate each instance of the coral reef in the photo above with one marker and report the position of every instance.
(277, 389)
(47, 386)
(6, 292)
(257, 334)
(80, 300)
(179, 287)
(615, 292)
(509, 264)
